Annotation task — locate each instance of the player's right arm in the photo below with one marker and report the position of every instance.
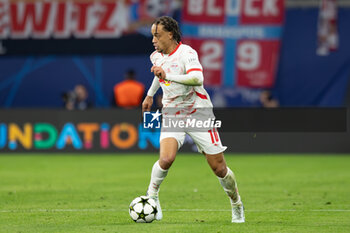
(148, 101)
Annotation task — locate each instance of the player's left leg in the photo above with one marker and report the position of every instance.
(209, 143)
(228, 182)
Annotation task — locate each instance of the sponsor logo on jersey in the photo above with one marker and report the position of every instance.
(166, 83)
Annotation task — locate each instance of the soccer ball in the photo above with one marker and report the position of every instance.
(143, 209)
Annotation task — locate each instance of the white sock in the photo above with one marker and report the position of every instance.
(230, 186)
(157, 177)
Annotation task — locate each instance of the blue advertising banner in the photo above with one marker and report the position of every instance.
(111, 131)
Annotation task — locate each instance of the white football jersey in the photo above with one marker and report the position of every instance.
(182, 60)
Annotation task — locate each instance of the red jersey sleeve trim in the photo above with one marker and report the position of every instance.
(194, 69)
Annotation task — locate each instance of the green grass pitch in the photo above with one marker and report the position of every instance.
(91, 193)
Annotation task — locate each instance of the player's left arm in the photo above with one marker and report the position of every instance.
(193, 78)
(194, 73)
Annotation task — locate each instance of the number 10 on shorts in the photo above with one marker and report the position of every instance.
(214, 135)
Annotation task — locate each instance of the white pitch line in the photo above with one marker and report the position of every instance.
(166, 210)
(282, 210)
(59, 210)
(330, 210)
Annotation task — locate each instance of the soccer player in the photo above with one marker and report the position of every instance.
(177, 70)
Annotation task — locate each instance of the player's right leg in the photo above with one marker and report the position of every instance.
(168, 149)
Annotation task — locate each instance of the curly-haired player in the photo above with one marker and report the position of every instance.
(178, 71)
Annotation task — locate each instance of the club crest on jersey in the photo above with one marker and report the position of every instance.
(166, 83)
(175, 68)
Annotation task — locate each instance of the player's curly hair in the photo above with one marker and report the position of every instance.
(170, 25)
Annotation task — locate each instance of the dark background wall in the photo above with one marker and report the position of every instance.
(303, 77)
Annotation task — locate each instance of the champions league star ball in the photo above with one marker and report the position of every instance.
(143, 209)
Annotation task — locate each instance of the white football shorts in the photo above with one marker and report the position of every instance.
(207, 142)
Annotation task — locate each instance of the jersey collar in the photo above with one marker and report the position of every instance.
(174, 49)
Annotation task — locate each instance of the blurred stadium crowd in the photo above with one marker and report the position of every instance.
(295, 53)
